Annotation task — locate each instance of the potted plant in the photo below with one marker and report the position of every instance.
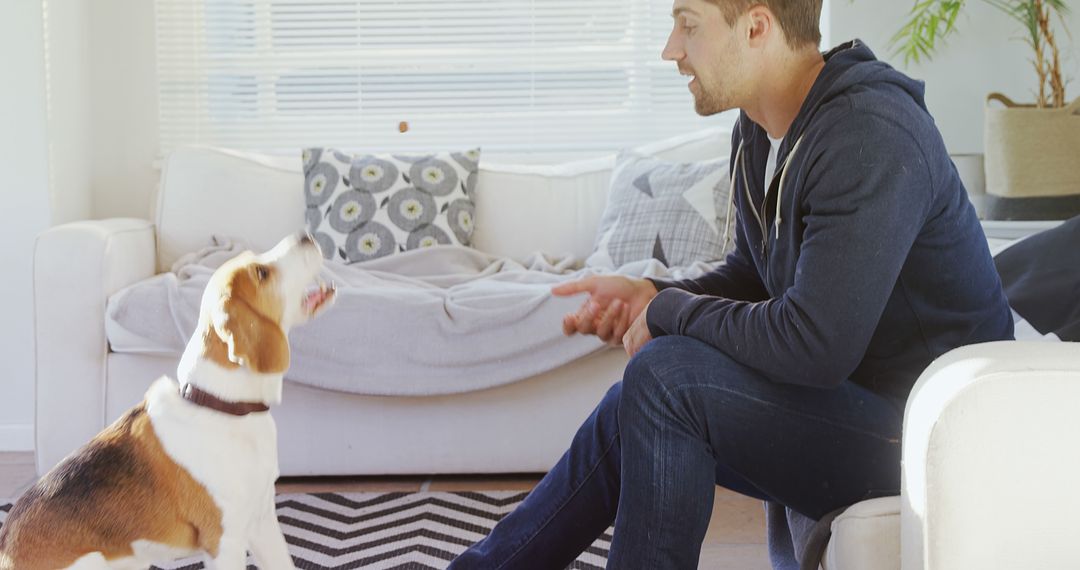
(1030, 149)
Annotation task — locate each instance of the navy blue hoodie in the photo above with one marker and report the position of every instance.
(869, 264)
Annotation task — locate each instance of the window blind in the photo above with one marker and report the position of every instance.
(510, 76)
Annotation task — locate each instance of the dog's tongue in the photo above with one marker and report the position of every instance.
(317, 295)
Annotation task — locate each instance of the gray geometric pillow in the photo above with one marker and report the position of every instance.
(673, 212)
(368, 206)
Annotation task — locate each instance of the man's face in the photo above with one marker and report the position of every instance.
(704, 46)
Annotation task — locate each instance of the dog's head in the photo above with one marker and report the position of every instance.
(252, 300)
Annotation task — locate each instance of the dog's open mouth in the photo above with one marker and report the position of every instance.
(317, 296)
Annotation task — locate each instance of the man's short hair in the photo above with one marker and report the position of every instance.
(799, 19)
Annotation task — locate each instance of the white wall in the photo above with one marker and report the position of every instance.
(24, 190)
(978, 60)
(123, 90)
(71, 112)
(79, 94)
(103, 103)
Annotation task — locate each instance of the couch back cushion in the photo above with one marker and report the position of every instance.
(207, 192)
(557, 209)
(520, 209)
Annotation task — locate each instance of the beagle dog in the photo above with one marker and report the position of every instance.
(192, 468)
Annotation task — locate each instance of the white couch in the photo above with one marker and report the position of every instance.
(521, 427)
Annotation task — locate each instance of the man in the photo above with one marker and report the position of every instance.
(782, 374)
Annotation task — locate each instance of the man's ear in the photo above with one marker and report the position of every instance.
(760, 22)
(253, 340)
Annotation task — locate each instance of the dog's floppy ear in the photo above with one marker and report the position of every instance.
(253, 340)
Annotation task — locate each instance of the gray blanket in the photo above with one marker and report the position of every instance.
(434, 321)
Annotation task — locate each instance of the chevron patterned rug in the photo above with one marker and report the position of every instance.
(405, 531)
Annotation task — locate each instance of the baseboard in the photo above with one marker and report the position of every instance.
(17, 437)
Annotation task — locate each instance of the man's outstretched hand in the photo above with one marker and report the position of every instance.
(615, 305)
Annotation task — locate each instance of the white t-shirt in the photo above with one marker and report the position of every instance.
(770, 165)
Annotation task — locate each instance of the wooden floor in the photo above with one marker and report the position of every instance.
(735, 540)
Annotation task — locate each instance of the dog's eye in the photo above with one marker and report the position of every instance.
(262, 272)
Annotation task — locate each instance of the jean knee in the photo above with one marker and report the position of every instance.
(643, 379)
(668, 372)
(654, 366)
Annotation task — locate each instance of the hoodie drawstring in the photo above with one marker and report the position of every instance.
(783, 176)
(739, 165)
(731, 193)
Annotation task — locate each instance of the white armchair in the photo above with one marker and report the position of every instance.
(989, 472)
(991, 462)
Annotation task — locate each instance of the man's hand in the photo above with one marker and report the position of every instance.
(638, 335)
(614, 303)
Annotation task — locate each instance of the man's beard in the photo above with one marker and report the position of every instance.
(706, 102)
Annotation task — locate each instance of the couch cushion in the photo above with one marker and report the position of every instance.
(866, 535)
(368, 206)
(556, 209)
(525, 209)
(673, 212)
(206, 192)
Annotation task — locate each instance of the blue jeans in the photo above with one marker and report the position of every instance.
(685, 418)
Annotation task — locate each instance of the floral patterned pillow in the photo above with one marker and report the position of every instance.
(369, 206)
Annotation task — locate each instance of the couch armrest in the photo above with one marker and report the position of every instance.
(990, 461)
(77, 266)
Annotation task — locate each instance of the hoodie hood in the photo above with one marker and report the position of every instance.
(851, 66)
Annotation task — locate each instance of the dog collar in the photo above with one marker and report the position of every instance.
(199, 397)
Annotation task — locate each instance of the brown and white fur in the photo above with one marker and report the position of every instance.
(189, 469)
